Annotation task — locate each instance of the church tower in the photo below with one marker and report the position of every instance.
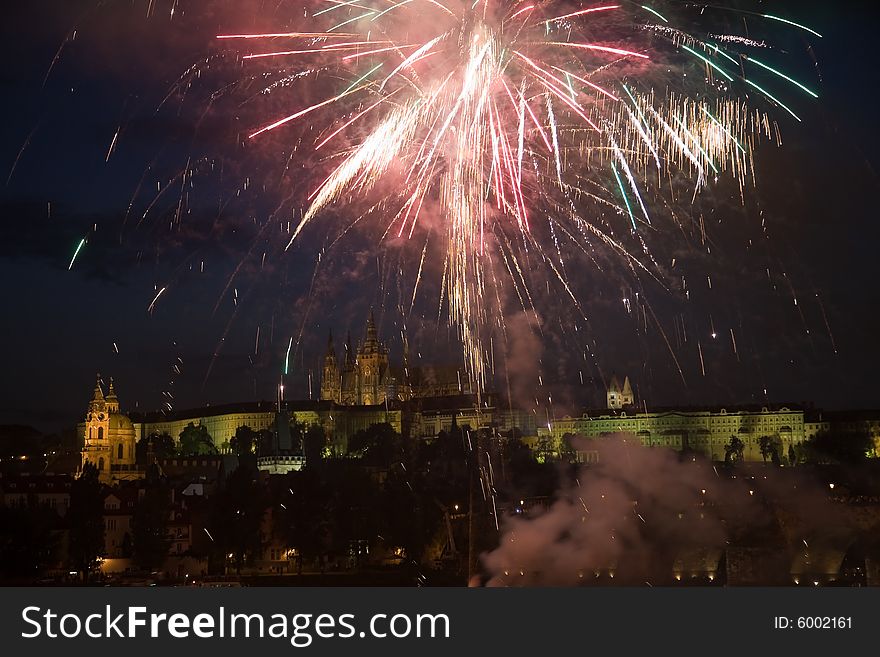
(109, 438)
(348, 393)
(112, 399)
(372, 366)
(330, 379)
(626, 395)
(97, 444)
(618, 396)
(613, 393)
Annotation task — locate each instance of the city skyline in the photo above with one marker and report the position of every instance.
(439, 293)
(790, 320)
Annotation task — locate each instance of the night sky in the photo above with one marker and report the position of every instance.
(74, 73)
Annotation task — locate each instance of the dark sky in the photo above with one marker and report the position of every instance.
(74, 73)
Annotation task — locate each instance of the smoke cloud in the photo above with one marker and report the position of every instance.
(647, 516)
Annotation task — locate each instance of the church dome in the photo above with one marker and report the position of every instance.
(120, 421)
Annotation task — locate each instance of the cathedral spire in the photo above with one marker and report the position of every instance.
(98, 395)
(97, 405)
(372, 333)
(614, 385)
(330, 375)
(330, 348)
(349, 353)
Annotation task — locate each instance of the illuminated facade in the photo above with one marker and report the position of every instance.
(221, 422)
(366, 377)
(618, 396)
(703, 431)
(109, 438)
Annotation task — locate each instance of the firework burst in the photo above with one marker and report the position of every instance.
(509, 128)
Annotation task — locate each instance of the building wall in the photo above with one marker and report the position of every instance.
(427, 424)
(703, 431)
(222, 428)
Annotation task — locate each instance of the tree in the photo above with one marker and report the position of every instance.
(378, 445)
(304, 515)
(86, 518)
(443, 463)
(160, 445)
(733, 451)
(526, 476)
(196, 441)
(266, 442)
(150, 525)
(237, 516)
(244, 441)
(28, 542)
(314, 443)
(846, 447)
(771, 447)
(765, 445)
(792, 456)
(323, 510)
(296, 437)
(410, 516)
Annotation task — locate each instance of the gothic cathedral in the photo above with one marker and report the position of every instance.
(365, 377)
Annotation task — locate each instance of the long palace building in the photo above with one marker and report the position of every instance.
(421, 402)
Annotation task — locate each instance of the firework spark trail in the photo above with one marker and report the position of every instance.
(155, 299)
(76, 253)
(502, 114)
(21, 151)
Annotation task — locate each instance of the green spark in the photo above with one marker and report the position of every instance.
(783, 76)
(338, 6)
(76, 253)
(785, 20)
(287, 356)
(655, 12)
(719, 51)
(395, 6)
(709, 62)
(570, 87)
(362, 78)
(773, 98)
(625, 199)
(351, 20)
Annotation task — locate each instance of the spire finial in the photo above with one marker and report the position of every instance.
(372, 334)
(99, 392)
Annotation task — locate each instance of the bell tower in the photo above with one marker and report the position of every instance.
(112, 399)
(97, 432)
(330, 378)
(626, 395)
(372, 364)
(618, 396)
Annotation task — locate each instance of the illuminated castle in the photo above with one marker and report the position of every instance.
(109, 437)
(367, 378)
(619, 397)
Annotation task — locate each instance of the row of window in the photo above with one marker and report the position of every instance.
(21, 502)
